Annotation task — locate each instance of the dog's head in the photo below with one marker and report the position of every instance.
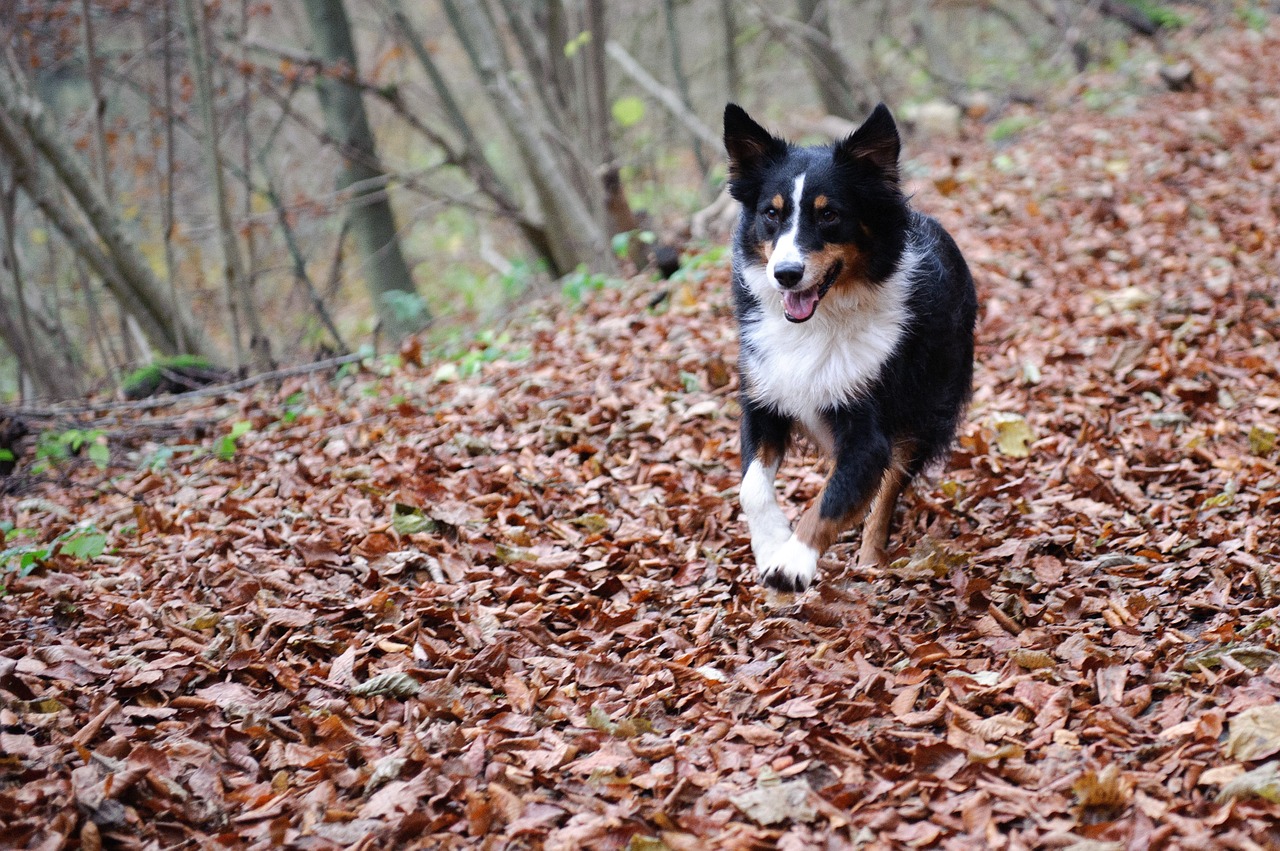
(816, 218)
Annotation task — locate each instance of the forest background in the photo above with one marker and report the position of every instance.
(207, 188)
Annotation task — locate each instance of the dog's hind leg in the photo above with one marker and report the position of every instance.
(875, 531)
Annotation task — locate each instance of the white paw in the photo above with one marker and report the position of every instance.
(768, 540)
(792, 566)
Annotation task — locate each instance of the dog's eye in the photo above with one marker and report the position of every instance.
(828, 217)
(771, 215)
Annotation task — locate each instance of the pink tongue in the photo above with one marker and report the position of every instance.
(800, 306)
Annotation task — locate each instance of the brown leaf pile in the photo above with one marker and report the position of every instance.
(516, 609)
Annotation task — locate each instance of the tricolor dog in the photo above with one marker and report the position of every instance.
(855, 317)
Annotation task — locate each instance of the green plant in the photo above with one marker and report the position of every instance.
(408, 308)
(293, 406)
(54, 447)
(1006, 128)
(81, 542)
(697, 264)
(1160, 14)
(225, 446)
(581, 282)
(486, 347)
(1253, 17)
(621, 242)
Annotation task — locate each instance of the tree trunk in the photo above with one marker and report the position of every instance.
(472, 158)
(830, 72)
(117, 260)
(238, 292)
(372, 222)
(32, 336)
(732, 74)
(576, 236)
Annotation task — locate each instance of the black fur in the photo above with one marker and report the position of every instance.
(917, 399)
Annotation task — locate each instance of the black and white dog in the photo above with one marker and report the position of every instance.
(855, 317)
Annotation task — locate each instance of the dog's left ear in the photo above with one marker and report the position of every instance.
(875, 142)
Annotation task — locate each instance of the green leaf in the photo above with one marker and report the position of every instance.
(1261, 440)
(576, 43)
(225, 448)
(85, 545)
(628, 111)
(1223, 499)
(620, 243)
(410, 520)
(100, 454)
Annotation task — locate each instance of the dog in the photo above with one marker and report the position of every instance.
(855, 321)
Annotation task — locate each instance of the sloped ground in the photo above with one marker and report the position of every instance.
(1079, 644)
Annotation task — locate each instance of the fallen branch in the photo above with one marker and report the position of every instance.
(203, 392)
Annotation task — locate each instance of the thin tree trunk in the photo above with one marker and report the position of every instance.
(682, 82)
(167, 187)
(239, 293)
(300, 263)
(33, 340)
(118, 261)
(472, 158)
(576, 235)
(732, 73)
(372, 221)
(102, 155)
(831, 75)
(618, 216)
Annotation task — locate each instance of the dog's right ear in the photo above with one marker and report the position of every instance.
(750, 148)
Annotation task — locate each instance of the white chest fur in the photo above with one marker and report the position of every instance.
(804, 369)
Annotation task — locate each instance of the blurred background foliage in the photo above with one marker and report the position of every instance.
(219, 186)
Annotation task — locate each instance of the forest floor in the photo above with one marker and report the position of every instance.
(506, 601)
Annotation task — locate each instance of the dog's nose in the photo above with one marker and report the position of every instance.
(788, 274)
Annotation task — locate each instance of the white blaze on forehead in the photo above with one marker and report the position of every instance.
(786, 250)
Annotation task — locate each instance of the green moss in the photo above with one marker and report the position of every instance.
(170, 374)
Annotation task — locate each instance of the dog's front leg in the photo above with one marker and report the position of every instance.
(862, 456)
(764, 443)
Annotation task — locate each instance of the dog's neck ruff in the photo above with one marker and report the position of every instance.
(803, 370)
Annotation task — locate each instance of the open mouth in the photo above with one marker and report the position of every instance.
(799, 306)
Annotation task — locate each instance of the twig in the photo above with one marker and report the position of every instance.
(664, 95)
(177, 398)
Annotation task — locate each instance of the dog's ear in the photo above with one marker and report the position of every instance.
(750, 147)
(875, 142)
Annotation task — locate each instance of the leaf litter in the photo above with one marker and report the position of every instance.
(516, 609)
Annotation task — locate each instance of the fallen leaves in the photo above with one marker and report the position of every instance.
(518, 608)
(1254, 733)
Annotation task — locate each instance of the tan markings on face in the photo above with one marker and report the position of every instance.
(821, 532)
(853, 266)
(820, 203)
(778, 202)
